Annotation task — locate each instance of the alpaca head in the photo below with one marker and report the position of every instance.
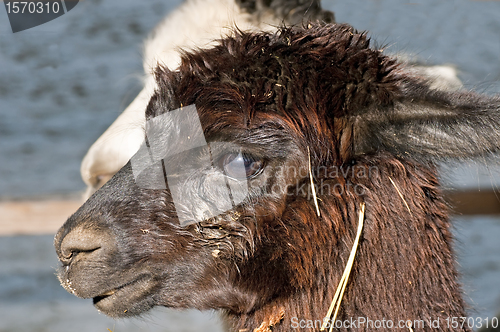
(217, 209)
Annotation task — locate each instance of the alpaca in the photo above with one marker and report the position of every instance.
(196, 23)
(313, 123)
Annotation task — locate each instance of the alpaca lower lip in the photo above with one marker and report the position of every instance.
(128, 290)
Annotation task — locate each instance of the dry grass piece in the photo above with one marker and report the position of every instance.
(313, 188)
(339, 293)
(401, 195)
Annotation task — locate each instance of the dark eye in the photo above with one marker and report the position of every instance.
(241, 166)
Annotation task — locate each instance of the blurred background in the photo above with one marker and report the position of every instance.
(63, 83)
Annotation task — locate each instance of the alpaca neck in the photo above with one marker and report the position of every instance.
(404, 270)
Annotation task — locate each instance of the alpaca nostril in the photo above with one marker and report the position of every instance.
(81, 240)
(66, 257)
(68, 254)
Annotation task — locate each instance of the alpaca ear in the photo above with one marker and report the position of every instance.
(429, 125)
(293, 12)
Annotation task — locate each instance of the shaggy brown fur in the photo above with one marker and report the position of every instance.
(272, 262)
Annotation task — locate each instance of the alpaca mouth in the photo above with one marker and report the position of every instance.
(98, 298)
(116, 302)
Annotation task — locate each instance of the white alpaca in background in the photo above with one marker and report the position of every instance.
(195, 24)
